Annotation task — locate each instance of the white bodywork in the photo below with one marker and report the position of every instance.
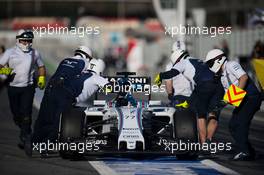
(130, 126)
(129, 119)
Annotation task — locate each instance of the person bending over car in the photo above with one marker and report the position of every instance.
(92, 84)
(179, 88)
(231, 72)
(64, 96)
(208, 91)
(62, 89)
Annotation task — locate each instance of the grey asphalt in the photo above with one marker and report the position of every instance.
(256, 137)
(14, 161)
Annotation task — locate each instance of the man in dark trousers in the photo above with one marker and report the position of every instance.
(60, 93)
(71, 80)
(19, 63)
(208, 91)
(231, 72)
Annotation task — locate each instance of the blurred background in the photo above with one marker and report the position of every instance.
(130, 34)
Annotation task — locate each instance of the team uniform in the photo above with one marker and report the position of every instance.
(21, 89)
(182, 87)
(232, 73)
(208, 90)
(59, 94)
(90, 86)
(71, 83)
(242, 115)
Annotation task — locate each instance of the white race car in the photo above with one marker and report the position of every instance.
(124, 128)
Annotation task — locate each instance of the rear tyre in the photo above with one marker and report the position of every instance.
(185, 129)
(72, 124)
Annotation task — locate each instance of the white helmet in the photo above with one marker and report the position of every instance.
(215, 59)
(178, 52)
(84, 52)
(24, 35)
(97, 65)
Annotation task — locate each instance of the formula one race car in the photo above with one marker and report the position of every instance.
(121, 126)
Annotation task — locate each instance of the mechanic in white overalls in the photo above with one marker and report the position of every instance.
(19, 62)
(206, 95)
(91, 85)
(232, 73)
(179, 88)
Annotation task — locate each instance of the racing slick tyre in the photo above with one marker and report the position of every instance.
(71, 127)
(185, 130)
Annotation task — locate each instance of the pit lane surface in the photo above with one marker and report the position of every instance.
(14, 161)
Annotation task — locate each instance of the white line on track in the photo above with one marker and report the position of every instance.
(218, 167)
(102, 168)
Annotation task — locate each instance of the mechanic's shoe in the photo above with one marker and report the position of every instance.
(28, 145)
(204, 152)
(47, 153)
(252, 152)
(44, 154)
(242, 157)
(21, 145)
(208, 141)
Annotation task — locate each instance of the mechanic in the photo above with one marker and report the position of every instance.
(92, 84)
(18, 62)
(71, 80)
(179, 88)
(63, 87)
(208, 91)
(232, 73)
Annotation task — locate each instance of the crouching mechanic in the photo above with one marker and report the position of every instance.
(19, 64)
(179, 88)
(208, 91)
(232, 73)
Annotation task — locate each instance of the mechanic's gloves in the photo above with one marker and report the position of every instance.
(158, 80)
(183, 105)
(41, 82)
(6, 71)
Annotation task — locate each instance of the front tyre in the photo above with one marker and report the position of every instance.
(71, 128)
(185, 129)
